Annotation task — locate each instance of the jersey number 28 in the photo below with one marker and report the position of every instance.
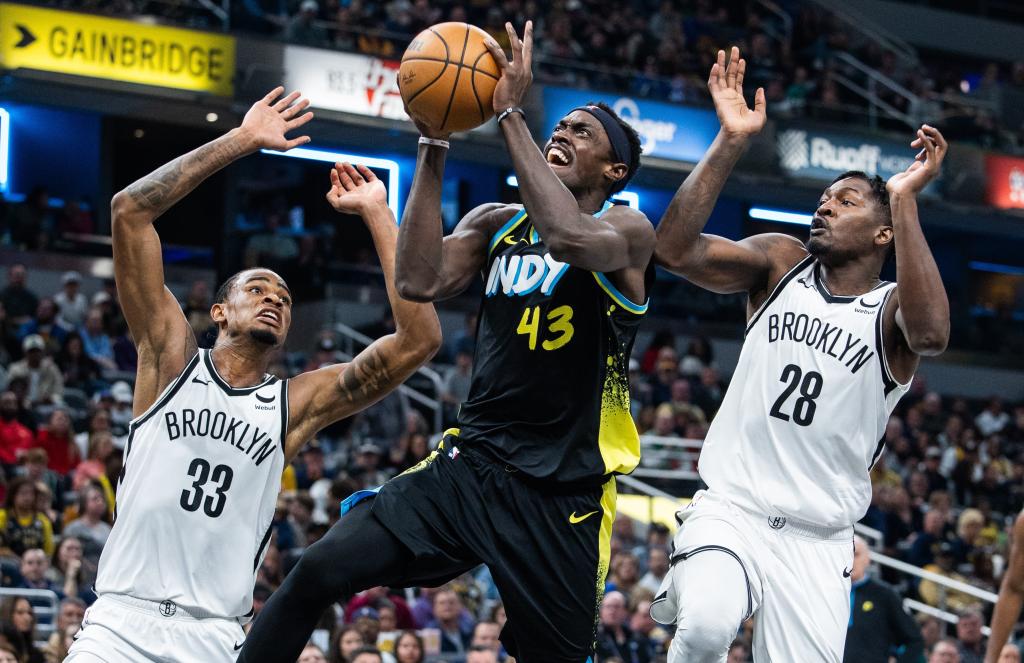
(192, 498)
(810, 388)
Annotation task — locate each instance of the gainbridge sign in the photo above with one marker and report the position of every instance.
(113, 49)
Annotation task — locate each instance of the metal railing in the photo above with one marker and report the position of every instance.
(784, 35)
(869, 91)
(657, 452)
(353, 338)
(871, 30)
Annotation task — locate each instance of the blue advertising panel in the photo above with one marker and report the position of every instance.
(820, 154)
(668, 131)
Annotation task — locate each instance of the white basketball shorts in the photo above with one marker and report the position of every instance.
(122, 629)
(730, 564)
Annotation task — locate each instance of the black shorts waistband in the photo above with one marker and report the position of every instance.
(480, 452)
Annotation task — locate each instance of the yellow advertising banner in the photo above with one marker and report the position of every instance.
(114, 49)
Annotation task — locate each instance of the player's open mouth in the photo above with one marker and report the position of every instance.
(558, 156)
(269, 315)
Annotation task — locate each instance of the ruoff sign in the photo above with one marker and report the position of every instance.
(823, 155)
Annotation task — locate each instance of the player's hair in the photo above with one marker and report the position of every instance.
(878, 190)
(225, 288)
(635, 147)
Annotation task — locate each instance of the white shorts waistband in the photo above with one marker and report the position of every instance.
(166, 609)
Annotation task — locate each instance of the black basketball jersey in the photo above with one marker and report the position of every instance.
(550, 387)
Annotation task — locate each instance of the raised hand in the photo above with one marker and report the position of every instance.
(354, 189)
(926, 166)
(517, 75)
(267, 122)
(726, 87)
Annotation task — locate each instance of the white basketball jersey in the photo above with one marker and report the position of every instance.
(803, 418)
(202, 470)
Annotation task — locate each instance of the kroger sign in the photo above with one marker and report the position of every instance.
(668, 131)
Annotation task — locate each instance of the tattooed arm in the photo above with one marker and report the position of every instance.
(321, 397)
(165, 341)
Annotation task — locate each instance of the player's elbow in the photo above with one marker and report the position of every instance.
(673, 260)
(425, 339)
(566, 247)
(410, 291)
(124, 212)
(929, 342)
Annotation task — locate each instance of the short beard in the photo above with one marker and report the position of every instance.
(263, 336)
(815, 248)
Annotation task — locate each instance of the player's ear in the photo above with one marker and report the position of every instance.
(616, 171)
(217, 313)
(884, 236)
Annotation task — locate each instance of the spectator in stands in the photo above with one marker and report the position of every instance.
(91, 526)
(683, 405)
(96, 341)
(710, 391)
(455, 388)
(367, 465)
(70, 301)
(936, 596)
(101, 445)
(615, 638)
(312, 654)
(18, 625)
(944, 651)
(447, 608)
(19, 301)
(80, 371)
(481, 654)
(664, 421)
(698, 356)
(970, 641)
(311, 470)
(302, 28)
(70, 614)
(366, 654)
(70, 572)
(34, 565)
(34, 469)
(993, 419)
(55, 439)
(625, 573)
(99, 422)
(968, 530)
(932, 630)
(197, 310)
(1009, 654)
(385, 421)
(665, 374)
(879, 626)
(326, 352)
(22, 526)
(374, 597)
(45, 324)
(45, 382)
(487, 635)
(739, 652)
(409, 648)
(15, 437)
(300, 516)
(657, 568)
(346, 640)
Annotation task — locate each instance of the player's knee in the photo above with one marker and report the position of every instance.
(704, 634)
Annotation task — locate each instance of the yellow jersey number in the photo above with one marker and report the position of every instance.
(559, 327)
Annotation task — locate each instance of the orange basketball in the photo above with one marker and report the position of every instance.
(447, 77)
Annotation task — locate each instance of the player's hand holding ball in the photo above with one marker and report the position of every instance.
(517, 75)
(266, 124)
(926, 166)
(355, 189)
(726, 86)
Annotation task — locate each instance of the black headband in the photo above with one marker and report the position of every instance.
(616, 134)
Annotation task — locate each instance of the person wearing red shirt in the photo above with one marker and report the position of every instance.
(15, 438)
(60, 446)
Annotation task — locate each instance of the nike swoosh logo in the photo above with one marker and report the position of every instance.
(238, 646)
(198, 381)
(866, 305)
(847, 573)
(512, 242)
(264, 399)
(574, 519)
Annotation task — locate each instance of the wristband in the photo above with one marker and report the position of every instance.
(508, 111)
(434, 141)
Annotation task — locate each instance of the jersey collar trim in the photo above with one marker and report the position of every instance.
(822, 287)
(222, 383)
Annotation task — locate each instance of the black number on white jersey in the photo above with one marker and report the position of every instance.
(192, 498)
(810, 389)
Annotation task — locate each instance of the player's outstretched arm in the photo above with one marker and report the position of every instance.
(323, 396)
(710, 261)
(917, 318)
(617, 239)
(1011, 596)
(429, 266)
(164, 339)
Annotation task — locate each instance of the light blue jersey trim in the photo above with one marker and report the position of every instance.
(506, 229)
(617, 296)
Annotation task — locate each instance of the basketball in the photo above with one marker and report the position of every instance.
(447, 77)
